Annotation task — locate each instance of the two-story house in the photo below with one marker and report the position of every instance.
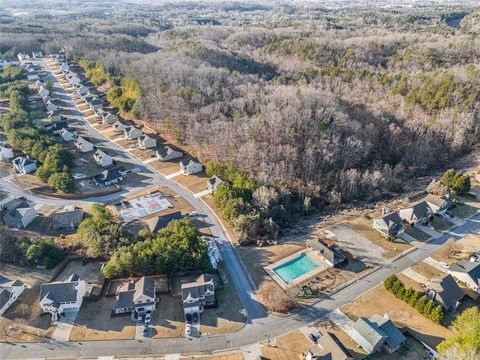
(198, 294)
(136, 297)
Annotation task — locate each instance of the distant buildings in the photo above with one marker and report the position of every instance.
(83, 145)
(213, 182)
(167, 153)
(10, 290)
(110, 177)
(102, 158)
(146, 142)
(20, 216)
(68, 218)
(190, 167)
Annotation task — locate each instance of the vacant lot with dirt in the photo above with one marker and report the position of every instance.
(287, 347)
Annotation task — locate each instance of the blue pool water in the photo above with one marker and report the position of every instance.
(295, 268)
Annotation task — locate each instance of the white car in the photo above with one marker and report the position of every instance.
(188, 329)
(444, 265)
(148, 318)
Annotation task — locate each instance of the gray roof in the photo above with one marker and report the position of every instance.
(369, 331)
(196, 289)
(332, 347)
(109, 175)
(5, 296)
(328, 252)
(421, 210)
(394, 337)
(187, 162)
(469, 267)
(130, 292)
(164, 151)
(445, 291)
(68, 217)
(214, 181)
(159, 222)
(23, 161)
(81, 141)
(392, 219)
(100, 154)
(59, 292)
(14, 217)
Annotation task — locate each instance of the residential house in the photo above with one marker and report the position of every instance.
(64, 67)
(467, 272)
(56, 127)
(158, 222)
(20, 216)
(190, 167)
(198, 294)
(83, 145)
(6, 152)
(54, 116)
(37, 54)
(444, 291)
(38, 84)
(118, 126)
(10, 290)
(32, 76)
(46, 99)
(213, 182)
(375, 333)
(59, 297)
(68, 218)
(389, 225)
(51, 106)
(328, 347)
(132, 133)
(73, 79)
(23, 57)
(136, 297)
(420, 213)
(24, 165)
(109, 118)
(102, 158)
(43, 92)
(68, 134)
(167, 153)
(110, 177)
(438, 204)
(146, 142)
(329, 253)
(82, 89)
(95, 103)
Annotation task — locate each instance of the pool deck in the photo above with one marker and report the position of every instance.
(316, 258)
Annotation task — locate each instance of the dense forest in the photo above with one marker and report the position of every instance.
(325, 102)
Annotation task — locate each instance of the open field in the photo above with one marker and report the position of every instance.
(363, 226)
(287, 347)
(379, 301)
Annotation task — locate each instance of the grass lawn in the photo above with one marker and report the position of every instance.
(226, 318)
(379, 301)
(166, 167)
(464, 211)
(168, 319)
(440, 224)
(363, 226)
(416, 233)
(287, 347)
(426, 270)
(194, 183)
(95, 322)
(452, 252)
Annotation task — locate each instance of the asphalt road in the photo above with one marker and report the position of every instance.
(259, 327)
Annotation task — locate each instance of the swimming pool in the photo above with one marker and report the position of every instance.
(295, 268)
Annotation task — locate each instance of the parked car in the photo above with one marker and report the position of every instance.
(140, 319)
(189, 329)
(444, 265)
(21, 198)
(148, 318)
(313, 338)
(132, 146)
(195, 317)
(189, 318)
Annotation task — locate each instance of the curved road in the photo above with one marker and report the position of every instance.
(260, 326)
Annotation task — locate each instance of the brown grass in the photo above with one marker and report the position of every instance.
(452, 252)
(194, 183)
(274, 298)
(235, 356)
(379, 301)
(426, 270)
(168, 319)
(166, 167)
(287, 347)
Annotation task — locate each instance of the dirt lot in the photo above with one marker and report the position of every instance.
(95, 322)
(287, 347)
(226, 318)
(379, 301)
(195, 183)
(363, 226)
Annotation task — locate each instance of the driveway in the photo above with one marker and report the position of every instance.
(358, 245)
(64, 326)
(340, 319)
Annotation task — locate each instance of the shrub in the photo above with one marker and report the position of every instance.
(274, 298)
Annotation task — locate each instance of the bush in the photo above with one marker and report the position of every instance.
(44, 252)
(456, 181)
(415, 299)
(274, 298)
